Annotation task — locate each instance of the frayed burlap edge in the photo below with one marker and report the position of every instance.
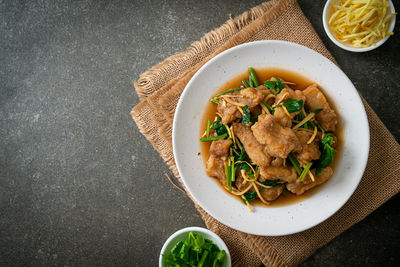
(150, 80)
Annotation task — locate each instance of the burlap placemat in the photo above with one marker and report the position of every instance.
(160, 88)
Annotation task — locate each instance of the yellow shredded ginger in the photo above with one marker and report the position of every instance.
(360, 23)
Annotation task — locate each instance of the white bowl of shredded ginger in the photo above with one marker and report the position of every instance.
(359, 25)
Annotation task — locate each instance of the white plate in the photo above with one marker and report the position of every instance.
(269, 221)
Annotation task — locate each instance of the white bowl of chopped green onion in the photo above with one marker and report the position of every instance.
(194, 246)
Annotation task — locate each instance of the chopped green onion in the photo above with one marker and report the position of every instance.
(279, 84)
(246, 83)
(233, 170)
(228, 177)
(253, 77)
(244, 200)
(215, 101)
(203, 259)
(295, 163)
(251, 81)
(269, 107)
(255, 170)
(209, 139)
(312, 124)
(320, 127)
(318, 110)
(208, 129)
(305, 171)
(219, 258)
(306, 119)
(229, 91)
(300, 118)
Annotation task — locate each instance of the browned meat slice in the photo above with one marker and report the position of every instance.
(286, 174)
(228, 112)
(251, 97)
(277, 162)
(215, 168)
(270, 194)
(279, 141)
(283, 119)
(253, 148)
(309, 151)
(240, 182)
(264, 90)
(289, 93)
(220, 148)
(299, 188)
(315, 99)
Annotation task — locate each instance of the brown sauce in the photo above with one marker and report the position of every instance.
(287, 198)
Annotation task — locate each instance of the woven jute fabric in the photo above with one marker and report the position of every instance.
(160, 88)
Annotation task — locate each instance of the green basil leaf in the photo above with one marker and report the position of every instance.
(293, 105)
(279, 84)
(328, 153)
(250, 196)
(242, 156)
(243, 166)
(246, 116)
(270, 85)
(327, 140)
(219, 128)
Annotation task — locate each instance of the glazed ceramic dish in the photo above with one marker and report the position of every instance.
(271, 221)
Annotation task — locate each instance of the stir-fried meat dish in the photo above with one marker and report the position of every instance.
(267, 139)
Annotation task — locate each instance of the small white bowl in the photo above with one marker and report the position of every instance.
(183, 234)
(348, 47)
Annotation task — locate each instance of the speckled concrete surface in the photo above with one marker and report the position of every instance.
(79, 185)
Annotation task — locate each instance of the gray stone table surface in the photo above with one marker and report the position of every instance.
(79, 184)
